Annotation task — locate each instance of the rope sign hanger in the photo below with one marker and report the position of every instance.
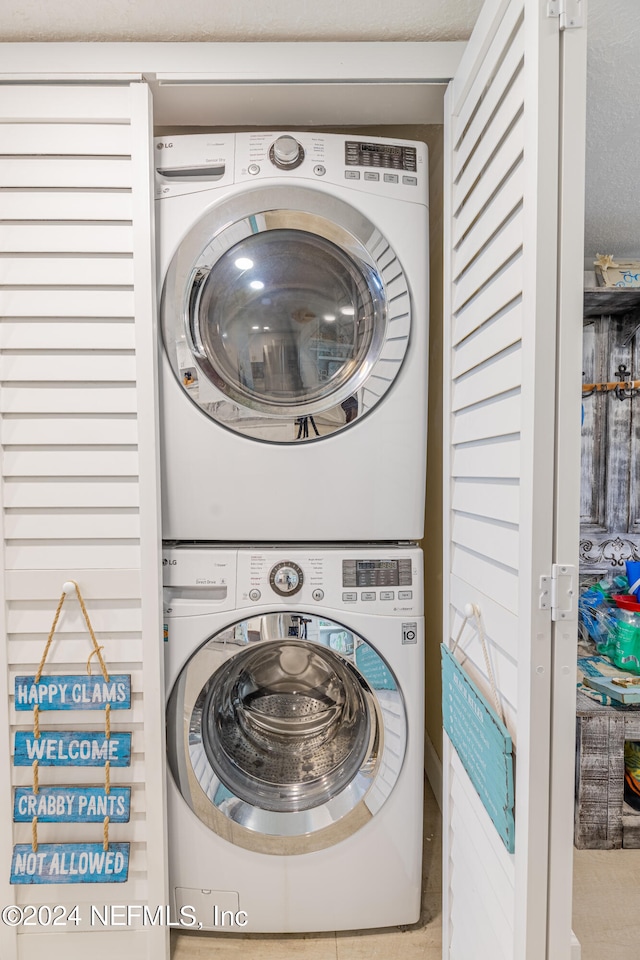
(472, 612)
(69, 587)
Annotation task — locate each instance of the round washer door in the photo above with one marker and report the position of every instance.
(286, 733)
(285, 314)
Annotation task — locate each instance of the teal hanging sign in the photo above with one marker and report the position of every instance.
(72, 692)
(72, 804)
(483, 744)
(77, 748)
(70, 863)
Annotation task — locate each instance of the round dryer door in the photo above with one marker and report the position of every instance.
(286, 733)
(285, 314)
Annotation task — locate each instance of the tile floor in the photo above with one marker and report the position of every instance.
(606, 903)
(606, 917)
(422, 941)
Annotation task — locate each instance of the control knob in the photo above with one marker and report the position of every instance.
(286, 578)
(286, 153)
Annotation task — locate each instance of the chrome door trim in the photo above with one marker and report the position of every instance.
(292, 207)
(291, 832)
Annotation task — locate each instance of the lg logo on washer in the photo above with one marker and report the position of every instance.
(163, 146)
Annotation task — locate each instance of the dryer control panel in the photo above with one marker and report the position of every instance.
(191, 163)
(388, 168)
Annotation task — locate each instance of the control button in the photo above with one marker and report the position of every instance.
(368, 595)
(370, 175)
(254, 594)
(387, 595)
(253, 168)
(318, 594)
(405, 594)
(409, 632)
(391, 178)
(411, 181)
(319, 170)
(349, 597)
(352, 174)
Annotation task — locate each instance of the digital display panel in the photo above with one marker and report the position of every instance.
(381, 148)
(376, 573)
(390, 156)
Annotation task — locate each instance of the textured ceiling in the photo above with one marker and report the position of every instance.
(613, 125)
(613, 113)
(225, 20)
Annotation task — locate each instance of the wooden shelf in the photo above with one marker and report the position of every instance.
(607, 301)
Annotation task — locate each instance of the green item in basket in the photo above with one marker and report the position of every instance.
(627, 646)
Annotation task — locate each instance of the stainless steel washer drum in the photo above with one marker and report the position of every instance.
(286, 732)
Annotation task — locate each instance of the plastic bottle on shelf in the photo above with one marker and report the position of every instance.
(626, 652)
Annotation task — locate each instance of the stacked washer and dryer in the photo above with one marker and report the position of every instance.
(294, 280)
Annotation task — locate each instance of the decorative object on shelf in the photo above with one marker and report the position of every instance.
(478, 733)
(104, 862)
(613, 551)
(624, 387)
(612, 273)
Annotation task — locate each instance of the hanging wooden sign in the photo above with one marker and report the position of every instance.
(73, 692)
(104, 862)
(72, 804)
(70, 863)
(72, 748)
(483, 744)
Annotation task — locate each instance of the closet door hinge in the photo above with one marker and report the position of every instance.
(559, 591)
(570, 12)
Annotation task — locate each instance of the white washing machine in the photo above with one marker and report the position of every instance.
(294, 273)
(295, 698)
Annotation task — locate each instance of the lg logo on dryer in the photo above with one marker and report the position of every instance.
(163, 146)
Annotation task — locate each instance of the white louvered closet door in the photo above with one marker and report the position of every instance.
(503, 137)
(79, 468)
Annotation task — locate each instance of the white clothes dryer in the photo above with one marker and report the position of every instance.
(295, 698)
(294, 276)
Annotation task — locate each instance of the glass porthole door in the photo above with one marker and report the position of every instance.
(286, 732)
(278, 315)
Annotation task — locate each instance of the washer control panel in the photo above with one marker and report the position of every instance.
(382, 581)
(386, 581)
